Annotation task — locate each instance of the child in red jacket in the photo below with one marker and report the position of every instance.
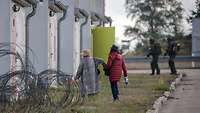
(116, 65)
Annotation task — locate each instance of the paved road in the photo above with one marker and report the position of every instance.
(187, 96)
(149, 71)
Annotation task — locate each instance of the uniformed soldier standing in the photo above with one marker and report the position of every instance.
(171, 51)
(154, 51)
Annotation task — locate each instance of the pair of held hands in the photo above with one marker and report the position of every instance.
(125, 80)
(107, 77)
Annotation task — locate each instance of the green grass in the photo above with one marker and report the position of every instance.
(139, 96)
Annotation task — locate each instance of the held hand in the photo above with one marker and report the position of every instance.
(126, 81)
(74, 80)
(107, 78)
(71, 81)
(147, 57)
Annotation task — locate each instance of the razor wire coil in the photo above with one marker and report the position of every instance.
(24, 90)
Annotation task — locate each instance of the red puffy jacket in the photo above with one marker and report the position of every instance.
(115, 65)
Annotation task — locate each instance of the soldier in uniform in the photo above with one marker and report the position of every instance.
(154, 52)
(171, 51)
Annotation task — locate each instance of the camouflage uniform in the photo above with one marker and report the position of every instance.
(171, 51)
(154, 51)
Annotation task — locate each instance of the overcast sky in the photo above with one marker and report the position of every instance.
(116, 9)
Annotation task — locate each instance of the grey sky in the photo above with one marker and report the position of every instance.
(188, 5)
(116, 9)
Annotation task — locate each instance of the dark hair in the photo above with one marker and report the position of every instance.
(114, 48)
(151, 41)
(170, 39)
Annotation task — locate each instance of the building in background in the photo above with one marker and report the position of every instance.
(46, 38)
(196, 37)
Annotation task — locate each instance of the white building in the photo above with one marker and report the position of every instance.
(196, 37)
(44, 35)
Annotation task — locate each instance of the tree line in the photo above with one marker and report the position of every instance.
(159, 20)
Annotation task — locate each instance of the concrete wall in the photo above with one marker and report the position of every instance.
(38, 37)
(99, 6)
(89, 6)
(66, 39)
(86, 39)
(5, 20)
(94, 6)
(52, 42)
(196, 37)
(17, 38)
(76, 42)
(38, 34)
(4, 32)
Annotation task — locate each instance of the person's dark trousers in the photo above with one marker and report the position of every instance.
(154, 65)
(115, 91)
(152, 68)
(172, 64)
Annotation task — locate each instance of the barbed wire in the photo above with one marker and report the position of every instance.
(26, 91)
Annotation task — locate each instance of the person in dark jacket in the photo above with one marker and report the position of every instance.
(154, 51)
(116, 65)
(171, 51)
